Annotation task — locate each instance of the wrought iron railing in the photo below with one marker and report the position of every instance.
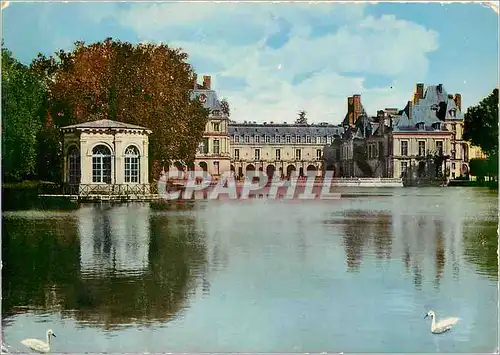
(111, 189)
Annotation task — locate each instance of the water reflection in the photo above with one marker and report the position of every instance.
(114, 240)
(103, 266)
(362, 229)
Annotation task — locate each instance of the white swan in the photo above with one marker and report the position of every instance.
(443, 325)
(38, 345)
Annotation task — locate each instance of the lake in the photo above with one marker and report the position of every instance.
(350, 275)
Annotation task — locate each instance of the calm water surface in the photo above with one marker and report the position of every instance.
(351, 275)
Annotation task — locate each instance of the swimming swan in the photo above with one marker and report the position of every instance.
(38, 345)
(443, 325)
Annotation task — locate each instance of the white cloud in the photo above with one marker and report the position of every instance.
(350, 47)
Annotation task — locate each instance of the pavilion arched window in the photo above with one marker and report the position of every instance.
(101, 164)
(132, 165)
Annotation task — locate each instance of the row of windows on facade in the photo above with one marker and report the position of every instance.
(298, 154)
(288, 139)
(101, 165)
(421, 148)
(404, 167)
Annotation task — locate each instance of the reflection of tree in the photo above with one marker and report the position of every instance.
(480, 243)
(38, 256)
(440, 252)
(360, 227)
(42, 258)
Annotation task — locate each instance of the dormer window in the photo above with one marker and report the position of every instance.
(453, 113)
(436, 126)
(420, 125)
(434, 107)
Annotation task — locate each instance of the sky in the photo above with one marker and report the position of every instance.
(271, 60)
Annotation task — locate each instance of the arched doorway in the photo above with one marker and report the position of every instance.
(289, 169)
(203, 166)
(250, 167)
(270, 171)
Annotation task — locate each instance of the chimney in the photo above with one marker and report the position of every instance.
(419, 93)
(458, 101)
(207, 82)
(350, 111)
(356, 109)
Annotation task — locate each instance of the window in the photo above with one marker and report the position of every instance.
(247, 139)
(74, 165)
(203, 148)
(420, 125)
(257, 139)
(329, 140)
(257, 154)
(421, 148)
(298, 155)
(439, 147)
(404, 148)
(268, 139)
(216, 146)
(277, 138)
(453, 166)
(236, 139)
(237, 154)
(404, 166)
(132, 164)
(297, 139)
(101, 164)
(454, 127)
(288, 139)
(318, 154)
(278, 154)
(216, 126)
(318, 140)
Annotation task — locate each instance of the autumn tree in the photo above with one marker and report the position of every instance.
(302, 119)
(23, 100)
(144, 84)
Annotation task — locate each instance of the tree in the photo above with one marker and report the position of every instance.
(481, 124)
(225, 107)
(144, 84)
(302, 119)
(23, 101)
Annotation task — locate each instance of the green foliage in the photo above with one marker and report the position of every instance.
(302, 119)
(481, 124)
(484, 167)
(23, 100)
(225, 107)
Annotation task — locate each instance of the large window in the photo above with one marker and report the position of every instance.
(132, 166)
(101, 164)
(421, 148)
(74, 165)
(439, 147)
(278, 154)
(257, 154)
(319, 154)
(404, 148)
(298, 154)
(216, 146)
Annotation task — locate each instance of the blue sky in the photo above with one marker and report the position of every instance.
(272, 60)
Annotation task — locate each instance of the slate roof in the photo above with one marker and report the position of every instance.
(212, 102)
(434, 107)
(105, 124)
(255, 129)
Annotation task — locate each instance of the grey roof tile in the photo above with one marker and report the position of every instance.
(282, 129)
(105, 124)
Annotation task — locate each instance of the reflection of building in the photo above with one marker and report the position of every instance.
(284, 148)
(112, 242)
(105, 153)
(213, 153)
